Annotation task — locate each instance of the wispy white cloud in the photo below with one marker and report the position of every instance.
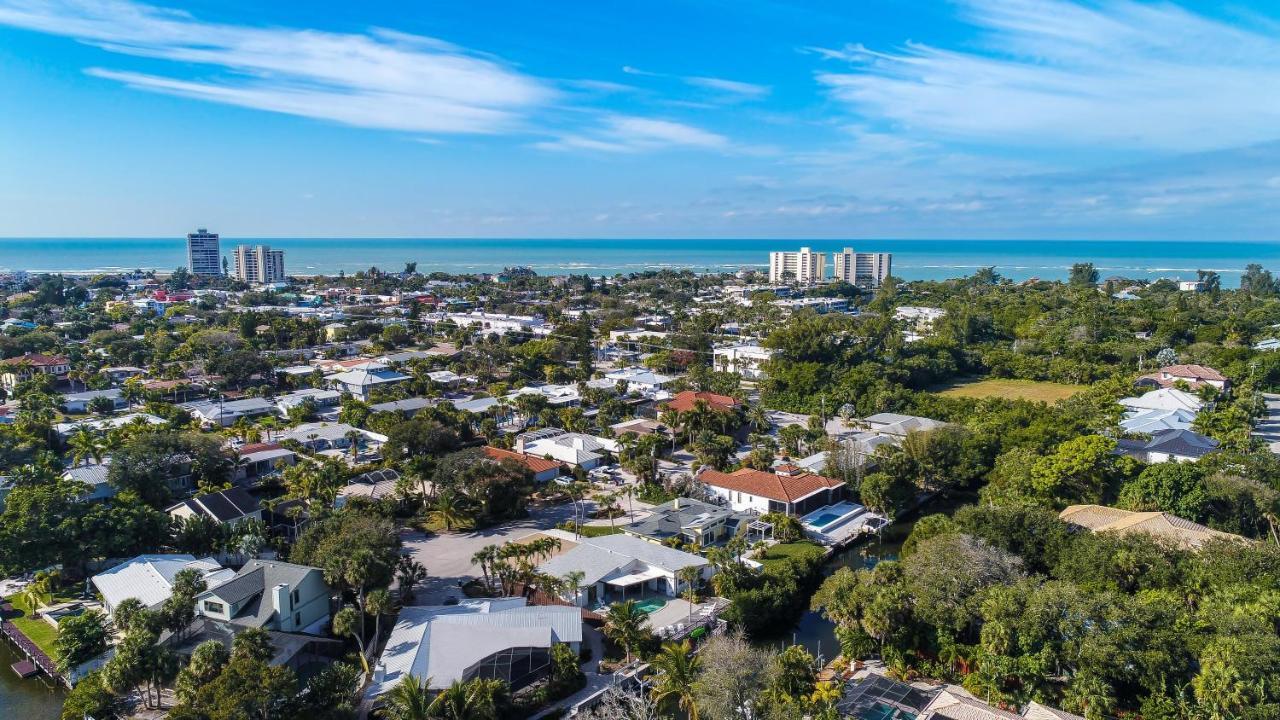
(628, 134)
(731, 87)
(735, 89)
(382, 79)
(1051, 73)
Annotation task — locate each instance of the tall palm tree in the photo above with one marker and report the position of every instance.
(677, 678)
(410, 700)
(377, 604)
(484, 557)
(690, 575)
(625, 625)
(573, 583)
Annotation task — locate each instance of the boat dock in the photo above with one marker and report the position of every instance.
(37, 661)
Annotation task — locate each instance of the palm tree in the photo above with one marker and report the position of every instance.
(410, 700)
(573, 582)
(450, 510)
(758, 419)
(353, 437)
(377, 604)
(85, 446)
(348, 621)
(625, 625)
(473, 700)
(677, 678)
(484, 557)
(409, 572)
(690, 575)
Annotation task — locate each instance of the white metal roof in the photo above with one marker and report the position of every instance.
(149, 578)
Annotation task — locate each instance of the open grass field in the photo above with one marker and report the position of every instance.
(1049, 392)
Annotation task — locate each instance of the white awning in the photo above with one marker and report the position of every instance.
(636, 578)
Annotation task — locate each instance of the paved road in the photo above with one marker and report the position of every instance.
(1268, 427)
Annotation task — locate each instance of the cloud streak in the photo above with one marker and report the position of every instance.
(383, 79)
(1119, 75)
(629, 134)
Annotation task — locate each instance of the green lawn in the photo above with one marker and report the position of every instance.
(41, 633)
(1048, 392)
(777, 554)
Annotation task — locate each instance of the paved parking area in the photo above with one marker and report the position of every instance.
(448, 555)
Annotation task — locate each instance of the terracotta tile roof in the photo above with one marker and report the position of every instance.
(536, 464)
(684, 401)
(783, 488)
(251, 448)
(35, 360)
(1193, 372)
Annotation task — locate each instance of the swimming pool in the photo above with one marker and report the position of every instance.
(824, 519)
(651, 605)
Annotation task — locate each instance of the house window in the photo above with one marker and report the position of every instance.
(214, 607)
(294, 596)
(297, 620)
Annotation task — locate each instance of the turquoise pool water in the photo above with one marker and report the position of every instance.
(824, 520)
(651, 605)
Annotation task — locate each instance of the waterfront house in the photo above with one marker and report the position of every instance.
(542, 469)
(617, 567)
(149, 578)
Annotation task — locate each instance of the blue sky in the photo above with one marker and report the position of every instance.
(864, 118)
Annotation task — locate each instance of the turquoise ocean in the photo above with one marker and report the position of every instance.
(912, 259)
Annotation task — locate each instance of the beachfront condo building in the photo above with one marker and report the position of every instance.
(862, 269)
(259, 264)
(203, 254)
(805, 266)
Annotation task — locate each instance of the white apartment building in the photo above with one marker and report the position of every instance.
(805, 266)
(203, 254)
(862, 269)
(259, 264)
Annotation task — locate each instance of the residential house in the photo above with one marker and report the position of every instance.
(641, 380)
(272, 595)
(1195, 377)
(326, 436)
(897, 426)
(24, 367)
(615, 567)
(1150, 422)
(149, 578)
(873, 696)
(408, 407)
(1164, 399)
(259, 460)
(542, 469)
(225, 413)
(66, 430)
(120, 373)
(499, 638)
(1168, 446)
(226, 507)
(79, 402)
(787, 489)
(746, 360)
(324, 401)
(690, 521)
(94, 476)
(573, 449)
(1100, 518)
(364, 378)
(686, 400)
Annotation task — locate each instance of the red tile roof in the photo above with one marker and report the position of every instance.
(684, 401)
(36, 360)
(534, 463)
(783, 488)
(251, 448)
(1193, 372)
